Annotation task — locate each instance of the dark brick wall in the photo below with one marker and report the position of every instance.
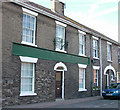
(12, 31)
(73, 40)
(46, 32)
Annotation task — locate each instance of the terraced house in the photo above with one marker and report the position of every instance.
(48, 56)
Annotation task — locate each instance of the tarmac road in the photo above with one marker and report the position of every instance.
(89, 103)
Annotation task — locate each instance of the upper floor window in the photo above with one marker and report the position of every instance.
(95, 48)
(119, 55)
(60, 36)
(109, 51)
(29, 27)
(81, 44)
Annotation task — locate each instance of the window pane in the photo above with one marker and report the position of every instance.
(60, 37)
(26, 81)
(95, 78)
(93, 53)
(32, 23)
(26, 76)
(80, 49)
(26, 88)
(95, 48)
(81, 44)
(109, 51)
(81, 78)
(93, 43)
(24, 20)
(28, 28)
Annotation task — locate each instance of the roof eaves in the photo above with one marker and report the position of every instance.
(52, 15)
(61, 18)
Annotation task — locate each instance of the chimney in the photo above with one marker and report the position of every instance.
(57, 6)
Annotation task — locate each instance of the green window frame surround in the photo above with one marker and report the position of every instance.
(36, 52)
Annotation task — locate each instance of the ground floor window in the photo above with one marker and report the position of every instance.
(81, 78)
(82, 71)
(27, 77)
(96, 78)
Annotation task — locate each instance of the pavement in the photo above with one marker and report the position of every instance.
(56, 103)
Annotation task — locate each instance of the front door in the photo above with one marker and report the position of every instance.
(58, 84)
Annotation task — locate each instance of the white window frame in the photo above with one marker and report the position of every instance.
(82, 43)
(95, 39)
(82, 66)
(97, 72)
(63, 26)
(33, 14)
(32, 61)
(109, 44)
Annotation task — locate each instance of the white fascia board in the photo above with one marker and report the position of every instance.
(48, 14)
(109, 43)
(28, 59)
(29, 12)
(81, 32)
(96, 67)
(61, 24)
(82, 66)
(95, 38)
(56, 18)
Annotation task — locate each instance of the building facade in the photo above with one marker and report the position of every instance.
(119, 65)
(48, 56)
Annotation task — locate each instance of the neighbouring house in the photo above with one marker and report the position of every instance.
(48, 56)
(118, 65)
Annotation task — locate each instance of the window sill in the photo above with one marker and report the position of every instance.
(82, 55)
(81, 89)
(95, 89)
(110, 61)
(61, 51)
(28, 94)
(26, 43)
(112, 79)
(96, 58)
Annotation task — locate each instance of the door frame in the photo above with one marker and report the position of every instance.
(63, 85)
(60, 64)
(110, 67)
(108, 80)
